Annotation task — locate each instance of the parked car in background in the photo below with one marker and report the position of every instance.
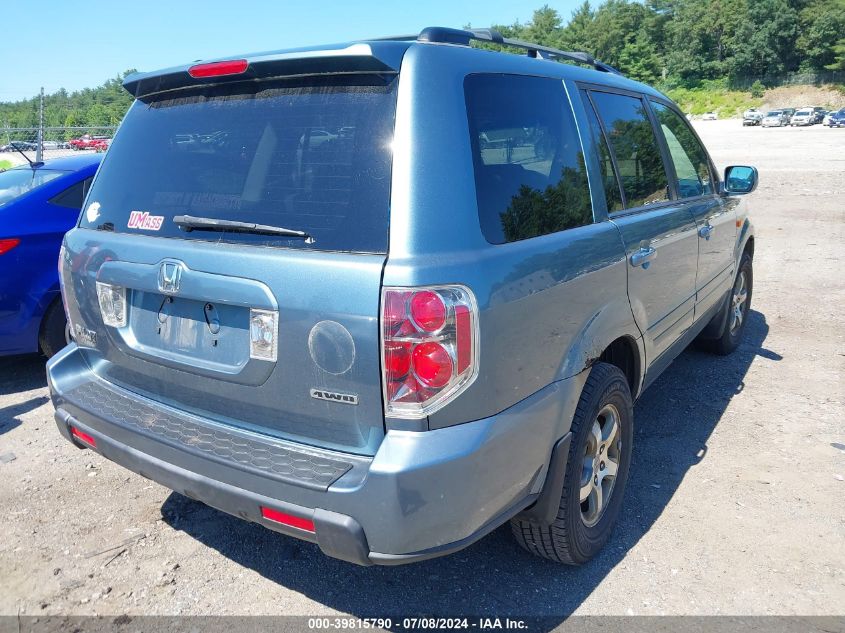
(38, 205)
(752, 116)
(709, 116)
(788, 112)
(246, 336)
(53, 145)
(775, 118)
(19, 146)
(819, 113)
(100, 144)
(837, 119)
(90, 142)
(827, 115)
(803, 117)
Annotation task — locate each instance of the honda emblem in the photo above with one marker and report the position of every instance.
(169, 277)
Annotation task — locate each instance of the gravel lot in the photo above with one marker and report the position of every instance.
(735, 505)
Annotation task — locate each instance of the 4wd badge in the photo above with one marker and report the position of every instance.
(333, 396)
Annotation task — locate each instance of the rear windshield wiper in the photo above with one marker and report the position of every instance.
(189, 223)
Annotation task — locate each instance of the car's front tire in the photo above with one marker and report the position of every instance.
(596, 473)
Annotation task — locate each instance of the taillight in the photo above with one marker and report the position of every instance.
(218, 69)
(263, 334)
(112, 300)
(430, 347)
(8, 244)
(62, 257)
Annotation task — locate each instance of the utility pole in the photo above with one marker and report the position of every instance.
(39, 151)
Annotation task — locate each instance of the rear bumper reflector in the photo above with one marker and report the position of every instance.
(287, 519)
(83, 437)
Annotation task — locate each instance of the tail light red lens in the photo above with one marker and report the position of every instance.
(218, 69)
(430, 344)
(432, 364)
(8, 244)
(428, 310)
(287, 519)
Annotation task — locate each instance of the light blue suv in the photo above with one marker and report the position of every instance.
(389, 295)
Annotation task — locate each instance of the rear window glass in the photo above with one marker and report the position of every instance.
(16, 182)
(310, 157)
(530, 178)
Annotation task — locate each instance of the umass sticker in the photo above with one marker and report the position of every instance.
(144, 221)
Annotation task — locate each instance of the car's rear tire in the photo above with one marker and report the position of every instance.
(589, 506)
(738, 307)
(54, 331)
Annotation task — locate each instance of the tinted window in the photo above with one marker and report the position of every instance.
(530, 178)
(612, 193)
(638, 159)
(73, 196)
(313, 157)
(16, 182)
(692, 168)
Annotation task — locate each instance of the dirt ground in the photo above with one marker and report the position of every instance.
(789, 96)
(736, 503)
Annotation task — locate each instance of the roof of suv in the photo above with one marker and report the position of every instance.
(380, 55)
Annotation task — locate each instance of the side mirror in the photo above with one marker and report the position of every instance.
(740, 179)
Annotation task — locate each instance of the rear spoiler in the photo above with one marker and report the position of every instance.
(360, 58)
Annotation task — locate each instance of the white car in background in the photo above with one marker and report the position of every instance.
(709, 116)
(804, 116)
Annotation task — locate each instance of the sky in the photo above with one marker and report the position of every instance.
(81, 43)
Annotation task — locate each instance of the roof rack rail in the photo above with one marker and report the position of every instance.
(464, 37)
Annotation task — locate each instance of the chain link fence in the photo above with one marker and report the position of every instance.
(19, 144)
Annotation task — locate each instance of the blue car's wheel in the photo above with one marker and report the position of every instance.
(53, 336)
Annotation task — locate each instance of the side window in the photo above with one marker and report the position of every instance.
(691, 165)
(530, 178)
(73, 196)
(612, 193)
(632, 139)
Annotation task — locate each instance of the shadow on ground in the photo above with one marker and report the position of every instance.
(18, 374)
(674, 420)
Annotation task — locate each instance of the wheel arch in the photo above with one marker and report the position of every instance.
(624, 353)
(610, 335)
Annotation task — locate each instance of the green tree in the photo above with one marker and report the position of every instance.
(577, 34)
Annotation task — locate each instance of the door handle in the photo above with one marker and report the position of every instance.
(705, 231)
(643, 257)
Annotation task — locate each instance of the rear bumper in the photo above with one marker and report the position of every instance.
(423, 494)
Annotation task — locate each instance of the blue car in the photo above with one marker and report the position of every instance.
(837, 119)
(38, 205)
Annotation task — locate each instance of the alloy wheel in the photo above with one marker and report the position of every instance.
(739, 302)
(600, 464)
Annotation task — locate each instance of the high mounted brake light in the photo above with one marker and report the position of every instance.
(218, 69)
(430, 347)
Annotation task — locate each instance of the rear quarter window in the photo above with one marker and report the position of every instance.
(530, 178)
